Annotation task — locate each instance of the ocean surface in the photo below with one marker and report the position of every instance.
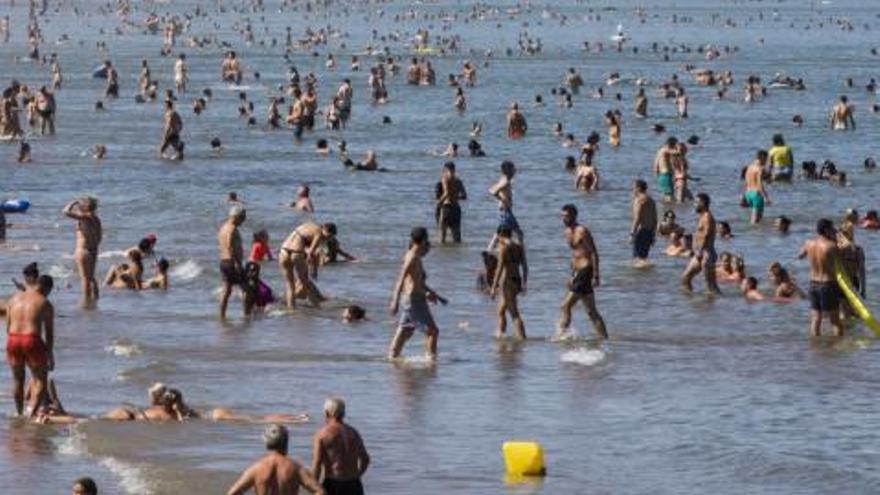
(689, 396)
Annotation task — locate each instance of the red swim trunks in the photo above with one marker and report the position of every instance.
(26, 349)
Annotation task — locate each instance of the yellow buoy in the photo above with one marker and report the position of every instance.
(523, 458)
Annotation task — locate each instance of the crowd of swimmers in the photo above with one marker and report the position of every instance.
(339, 457)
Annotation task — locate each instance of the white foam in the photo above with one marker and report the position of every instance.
(131, 478)
(186, 271)
(58, 271)
(584, 357)
(123, 350)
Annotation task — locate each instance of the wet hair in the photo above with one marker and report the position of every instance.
(504, 231)
(570, 209)
(216, 143)
(825, 228)
(724, 226)
(669, 214)
(693, 140)
(778, 140)
(752, 283)
(761, 154)
(704, 198)
(330, 227)
(570, 163)
(449, 166)
(334, 407)
(146, 244)
(640, 185)
(322, 144)
(418, 235)
(31, 272)
(88, 485)
(507, 168)
(46, 284)
(276, 437)
(355, 312)
(163, 265)
(671, 141)
(870, 163)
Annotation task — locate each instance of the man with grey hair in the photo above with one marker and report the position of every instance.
(231, 255)
(275, 472)
(339, 453)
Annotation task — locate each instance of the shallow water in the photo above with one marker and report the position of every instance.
(689, 396)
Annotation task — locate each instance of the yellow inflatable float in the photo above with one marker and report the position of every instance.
(523, 459)
(855, 302)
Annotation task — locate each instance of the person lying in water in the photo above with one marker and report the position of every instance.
(167, 405)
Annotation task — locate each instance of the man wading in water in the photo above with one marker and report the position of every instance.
(584, 273)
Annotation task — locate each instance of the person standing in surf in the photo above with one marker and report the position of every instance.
(584, 273)
(412, 286)
(644, 223)
(823, 255)
(512, 276)
(705, 255)
(88, 238)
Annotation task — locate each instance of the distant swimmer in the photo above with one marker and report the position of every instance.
(643, 231)
(303, 201)
(412, 287)
(112, 89)
(511, 277)
(584, 273)
(449, 191)
(230, 69)
(516, 123)
(755, 196)
(781, 160)
(842, 116)
(181, 74)
(704, 256)
(339, 456)
(276, 473)
(30, 342)
(641, 105)
(85, 486)
(823, 255)
(232, 259)
(88, 239)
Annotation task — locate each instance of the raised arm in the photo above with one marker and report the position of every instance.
(68, 210)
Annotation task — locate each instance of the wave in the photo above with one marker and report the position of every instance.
(185, 271)
(583, 357)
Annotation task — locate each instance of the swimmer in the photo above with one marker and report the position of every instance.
(782, 224)
(511, 275)
(303, 200)
(663, 167)
(755, 196)
(724, 231)
(842, 116)
(750, 290)
(786, 289)
(85, 486)
(502, 191)
(30, 340)
(781, 160)
(823, 254)
(231, 259)
(411, 285)
(121, 276)
(299, 257)
(871, 221)
(449, 192)
(516, 123)
(160, 280)
(704, 248)
(275, 472)
(586, 174)
(88, 239)
(354, 313)
(260, 249)
(584, 273)
(643, 230)
(338, 453)
(99, 152)
(641, 105)
(160, 408)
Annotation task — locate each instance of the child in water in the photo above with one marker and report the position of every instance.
(259, 291)
(260, 250)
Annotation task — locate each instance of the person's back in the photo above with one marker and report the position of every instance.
(275, 474)
(25, 313)
(821, 254)
(341, 444)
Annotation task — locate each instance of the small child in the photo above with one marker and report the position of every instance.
(259, 291)
(354, 313)
(750, 290)
(160, 281)
(260, 249)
